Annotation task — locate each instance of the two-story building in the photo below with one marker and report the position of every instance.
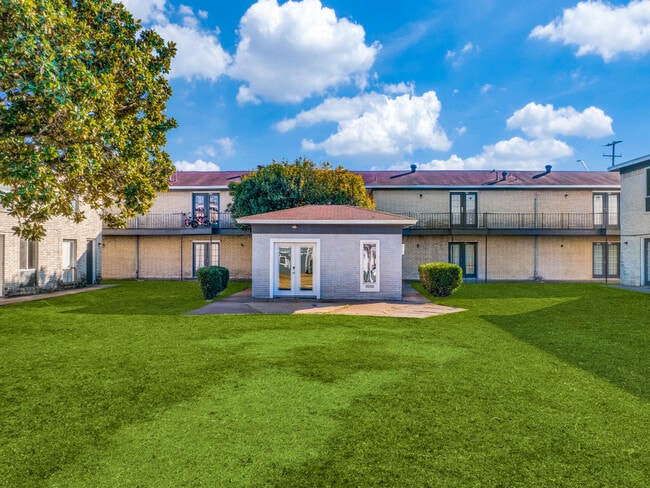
(635, 221)
(497, 225)
(69, 255)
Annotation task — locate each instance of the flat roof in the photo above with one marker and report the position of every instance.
(631, 164)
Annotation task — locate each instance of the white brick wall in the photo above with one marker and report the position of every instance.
(50, 250)
(635, 226)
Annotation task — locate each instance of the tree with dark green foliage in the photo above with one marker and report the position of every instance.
(282, 185)
(82, 112)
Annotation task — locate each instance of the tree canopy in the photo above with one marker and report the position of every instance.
(282, 185)
(82, 112)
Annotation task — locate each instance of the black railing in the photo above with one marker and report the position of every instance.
(425, 221)
(222, 220)
(568, 221)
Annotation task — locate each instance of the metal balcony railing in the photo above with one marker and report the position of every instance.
(425, 221)
(568, 221)
(180, 220)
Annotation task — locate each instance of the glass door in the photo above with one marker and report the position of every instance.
(294, 269)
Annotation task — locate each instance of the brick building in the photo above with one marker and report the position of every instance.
(69, 255)
(497, 225)
(635, 221)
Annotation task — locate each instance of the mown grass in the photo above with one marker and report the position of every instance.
(534, 385)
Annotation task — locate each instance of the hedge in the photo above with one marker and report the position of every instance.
(440, 279)
(213, 280)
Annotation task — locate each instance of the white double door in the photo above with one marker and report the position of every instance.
(295, 269)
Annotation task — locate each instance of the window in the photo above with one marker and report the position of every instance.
(204, 254)
(369, 265)
(68, 258)
(606, 259)
(205, 206)
(28, 254)
(606, 209)
(464, 255)
(647, 190)
(462, 208)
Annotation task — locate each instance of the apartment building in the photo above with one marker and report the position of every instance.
(70, 255)
(497, 225)
(635, 221)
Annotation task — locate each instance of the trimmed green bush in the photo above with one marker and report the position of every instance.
(213, 280)
(440, 279)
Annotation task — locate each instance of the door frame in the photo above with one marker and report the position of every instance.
(646, 261)
(273, 274)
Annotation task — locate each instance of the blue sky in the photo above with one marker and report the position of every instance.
(454, 84)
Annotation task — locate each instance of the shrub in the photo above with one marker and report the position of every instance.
(440, 279)
(213, 280)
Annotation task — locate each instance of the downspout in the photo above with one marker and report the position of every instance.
(535, 246)
(181, 236)
(137, 257)
(486, 256)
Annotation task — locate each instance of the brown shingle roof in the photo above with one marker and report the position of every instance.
(487, 178)
(335, 214)
(428, 179)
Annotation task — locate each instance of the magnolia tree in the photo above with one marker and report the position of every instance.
(82, 112)
(283, 185)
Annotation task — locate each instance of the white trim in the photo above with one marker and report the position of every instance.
(293, 242)
(363, 285)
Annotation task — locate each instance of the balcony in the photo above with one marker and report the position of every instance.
(515, 223)
(177, 224)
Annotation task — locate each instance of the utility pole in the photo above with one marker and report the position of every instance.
(613, 155)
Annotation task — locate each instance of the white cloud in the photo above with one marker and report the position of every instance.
(543, 121)
(515, 153)
(198, 165)
(486, 88)
(458, 57)
(388, 126)
(146, 10)
(223, 147)
(332, 110)
(400, 88)
(601, 28)
(199, 54)
(461, 130)
(291, 51)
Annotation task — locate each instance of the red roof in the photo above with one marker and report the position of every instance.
(334, 214)
(488, 178)
(427, 179)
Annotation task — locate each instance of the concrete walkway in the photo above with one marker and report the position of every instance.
(52, 294)
(412, 305)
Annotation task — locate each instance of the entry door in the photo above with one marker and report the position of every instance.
(90, 262)
(295, 269)
(647, 261)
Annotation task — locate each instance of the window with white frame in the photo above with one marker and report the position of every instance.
(369, 256)
(28, 254)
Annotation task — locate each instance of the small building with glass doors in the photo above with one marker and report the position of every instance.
(328, 252)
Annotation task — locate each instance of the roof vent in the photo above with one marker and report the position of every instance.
(413, 168)
(504, 174)
(548, 168)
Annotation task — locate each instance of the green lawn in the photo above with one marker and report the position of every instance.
(534, 385)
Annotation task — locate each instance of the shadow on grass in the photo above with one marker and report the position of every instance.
(604, 332)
